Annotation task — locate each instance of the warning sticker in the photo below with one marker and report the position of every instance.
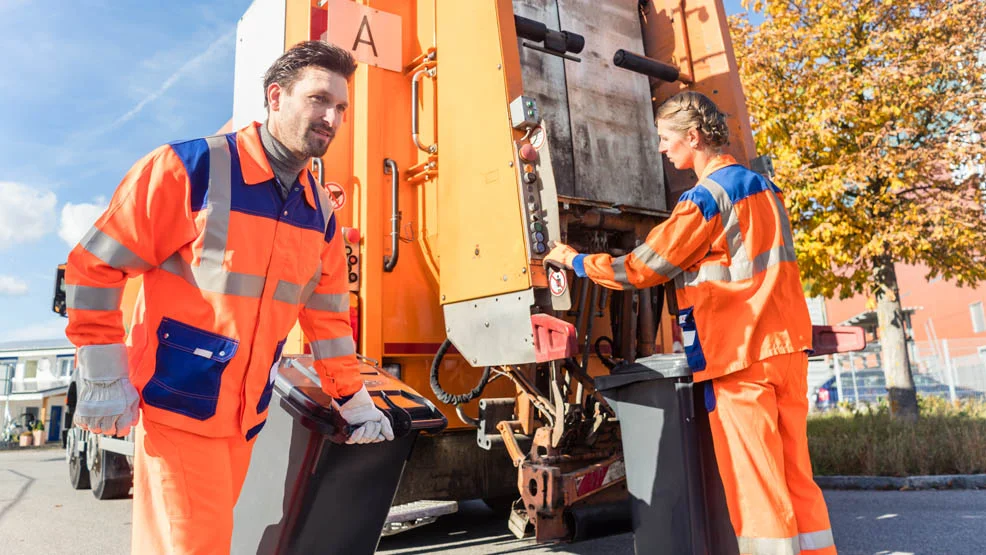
(537, 137)
(337, 195)
(557, 282)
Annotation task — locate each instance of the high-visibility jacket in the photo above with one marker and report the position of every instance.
(728, 247)
(228, 267)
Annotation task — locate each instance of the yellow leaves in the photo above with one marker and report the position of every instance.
(860, 106)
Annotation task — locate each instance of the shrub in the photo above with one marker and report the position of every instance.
(947, 439)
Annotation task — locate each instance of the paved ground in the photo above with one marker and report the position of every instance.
(40, 513)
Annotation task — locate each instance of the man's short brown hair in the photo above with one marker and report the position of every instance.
(286, 69)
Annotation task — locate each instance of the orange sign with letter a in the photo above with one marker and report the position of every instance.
(373, 36)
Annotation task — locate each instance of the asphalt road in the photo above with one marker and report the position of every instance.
(40, 513)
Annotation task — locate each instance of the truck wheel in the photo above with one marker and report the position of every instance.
(78, 474)
(111, 476)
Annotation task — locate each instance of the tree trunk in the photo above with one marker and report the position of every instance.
(893, 342)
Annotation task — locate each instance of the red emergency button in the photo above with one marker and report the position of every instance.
(352, 235)
(528, 153)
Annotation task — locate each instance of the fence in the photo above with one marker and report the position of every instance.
(950, 368)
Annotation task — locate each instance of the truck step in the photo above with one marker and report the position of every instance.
(417, 513)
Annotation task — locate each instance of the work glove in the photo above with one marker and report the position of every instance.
(561, 255)
(370, 424)
(107, 403)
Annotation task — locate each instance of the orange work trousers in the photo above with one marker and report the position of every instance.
(185, 488)
(759, 426)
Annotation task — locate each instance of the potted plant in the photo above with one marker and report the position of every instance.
(39, 433)
(26, 439)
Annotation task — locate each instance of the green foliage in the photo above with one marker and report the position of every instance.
(947, 439)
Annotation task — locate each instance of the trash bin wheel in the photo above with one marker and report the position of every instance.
(106, 465)
(78, 474)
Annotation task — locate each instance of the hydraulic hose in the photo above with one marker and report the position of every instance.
(446, 397)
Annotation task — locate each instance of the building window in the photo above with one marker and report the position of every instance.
(30, 369)
(64, 367)
(978, 319)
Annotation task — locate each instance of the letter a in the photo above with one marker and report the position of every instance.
(359, 36)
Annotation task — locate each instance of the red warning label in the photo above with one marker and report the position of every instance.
(557, 282)
(337, 195)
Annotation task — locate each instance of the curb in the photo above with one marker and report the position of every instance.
(945, 481)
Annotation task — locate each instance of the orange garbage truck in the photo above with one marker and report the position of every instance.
(480, 132)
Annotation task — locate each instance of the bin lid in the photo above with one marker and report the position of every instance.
(654, 367)
(300, 390)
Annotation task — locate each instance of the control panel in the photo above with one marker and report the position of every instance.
(524, 113)
(351, 239)
(531, 188)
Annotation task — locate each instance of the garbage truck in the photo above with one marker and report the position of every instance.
(480, 132)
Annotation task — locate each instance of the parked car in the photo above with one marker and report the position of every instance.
(871, 386)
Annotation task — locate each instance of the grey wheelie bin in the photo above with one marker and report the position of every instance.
(306, 491)
(677, 502)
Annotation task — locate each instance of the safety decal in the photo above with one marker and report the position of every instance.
(557, 282)
(537, 137)
(337, 195)
(599, 477)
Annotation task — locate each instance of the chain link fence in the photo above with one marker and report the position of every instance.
(951, 368)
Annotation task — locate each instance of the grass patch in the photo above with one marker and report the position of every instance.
(947, 439)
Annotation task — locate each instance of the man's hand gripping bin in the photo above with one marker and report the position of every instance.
(307, 491)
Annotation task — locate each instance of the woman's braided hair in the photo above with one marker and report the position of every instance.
(693, 110)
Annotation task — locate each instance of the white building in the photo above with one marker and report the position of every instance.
(34, 380)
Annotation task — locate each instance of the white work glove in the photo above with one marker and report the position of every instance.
(107, 403)
(374, 426)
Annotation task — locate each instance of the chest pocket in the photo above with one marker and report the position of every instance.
(188, 369)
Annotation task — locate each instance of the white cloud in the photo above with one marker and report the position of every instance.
(77, 219)
(51, 329)
(12, 286)
(26, 213)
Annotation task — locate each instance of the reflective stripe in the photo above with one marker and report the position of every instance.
(620, 272)
(771, 258)
(741, 267)
(817, 540)
(215, 280)
(730, 223)
(306, 293)
(210, 275)
(330, 348)
(287, 292)
(323, 202)
(657, 263)
(769, 546)
(103, 362)
(82, 297)
(329, 302)
(113, 253)
(218, 205)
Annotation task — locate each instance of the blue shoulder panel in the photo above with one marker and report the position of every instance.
(194, 155)
(701, 197)
(740, 182)
(330, 231)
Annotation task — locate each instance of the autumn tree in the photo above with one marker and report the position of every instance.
(873, 112)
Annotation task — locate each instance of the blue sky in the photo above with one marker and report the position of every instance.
(89, 87)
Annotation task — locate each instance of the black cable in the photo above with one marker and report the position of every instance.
(445, 396)
(607, 361)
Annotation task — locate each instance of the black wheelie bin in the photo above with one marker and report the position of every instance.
(677, 502)
(306, 491)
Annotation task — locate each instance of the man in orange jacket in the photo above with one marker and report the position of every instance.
(745, 326)
(235, 242)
